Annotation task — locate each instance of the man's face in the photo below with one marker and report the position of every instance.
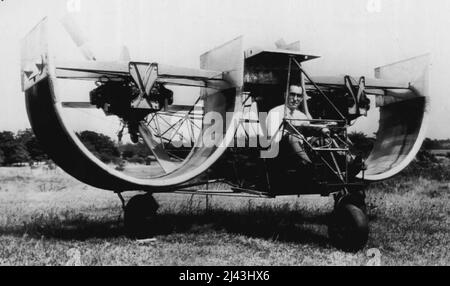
(294, 100)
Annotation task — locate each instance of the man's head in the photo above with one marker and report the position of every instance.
(295, 97)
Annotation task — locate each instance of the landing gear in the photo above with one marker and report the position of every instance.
(349, 225)
(139, 216)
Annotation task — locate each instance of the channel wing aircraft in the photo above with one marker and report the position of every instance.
(237, 82)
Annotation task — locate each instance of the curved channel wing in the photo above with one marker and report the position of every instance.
(45, 110)
(401, 91)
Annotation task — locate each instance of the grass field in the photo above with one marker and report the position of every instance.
(49, 218)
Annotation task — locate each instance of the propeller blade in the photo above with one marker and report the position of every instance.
(295, 46)
(77, 36)
(125, 54)
(69, 104)
(280, 44)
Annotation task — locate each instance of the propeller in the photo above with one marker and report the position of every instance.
(125, 54)
(81, 41)
(281, 44)
(72, 27)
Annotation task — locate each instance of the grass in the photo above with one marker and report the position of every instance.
(49, 218)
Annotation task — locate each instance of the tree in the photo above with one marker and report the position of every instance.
(126, 154)
(135, 150)
(102, 146)
(31, 143)
(2, 157)
(13, 150)
(362, 144)
(428, 144)
(20, 154)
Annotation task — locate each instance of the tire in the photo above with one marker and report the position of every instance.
(356, 198)
(139, 216)
(349, 228)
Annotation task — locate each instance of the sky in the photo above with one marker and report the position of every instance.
(351, 36)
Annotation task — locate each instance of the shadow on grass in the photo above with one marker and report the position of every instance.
(287, 226)
(79, 228)
(273, 224)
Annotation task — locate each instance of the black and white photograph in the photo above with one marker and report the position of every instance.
(224, 133)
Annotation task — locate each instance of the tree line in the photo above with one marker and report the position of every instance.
(104, 148)
(435, 144)
(20, 148)
(24, 148)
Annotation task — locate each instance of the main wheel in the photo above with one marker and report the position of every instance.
(349, 227)
(356, 198)
(139, 216)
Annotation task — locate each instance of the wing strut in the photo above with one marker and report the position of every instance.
(166, 162)
(318, 88)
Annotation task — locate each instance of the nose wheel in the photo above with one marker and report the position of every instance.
(139, 216)
(349, 226)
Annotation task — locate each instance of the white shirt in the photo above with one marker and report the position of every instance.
(276, 116)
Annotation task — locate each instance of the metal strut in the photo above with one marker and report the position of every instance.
(318, 89)
(122, 200)
(337, 172)
(145, 83)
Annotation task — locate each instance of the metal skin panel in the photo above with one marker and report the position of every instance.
(45, 112)
(403, 121)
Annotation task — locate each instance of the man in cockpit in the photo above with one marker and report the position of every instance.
(294, 139)
(290, 111)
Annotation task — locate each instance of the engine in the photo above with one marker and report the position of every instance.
(125, 100)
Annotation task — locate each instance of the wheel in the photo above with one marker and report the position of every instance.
(349, 228)
(139, 215)
(356, 198)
